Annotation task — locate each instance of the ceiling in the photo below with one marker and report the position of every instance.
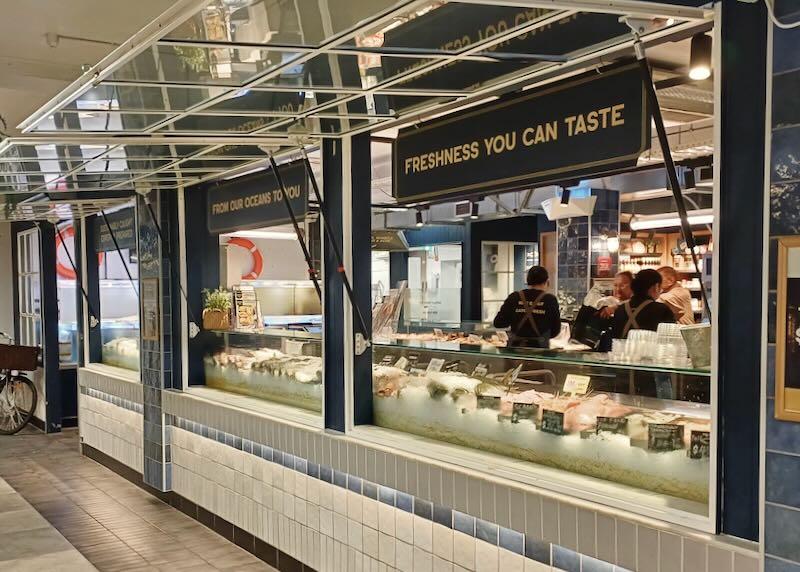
(208, 89)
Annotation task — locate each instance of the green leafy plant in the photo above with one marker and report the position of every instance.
(219, 299)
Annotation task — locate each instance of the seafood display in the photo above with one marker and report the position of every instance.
(524, 413)
(122, 352)
(268, 373)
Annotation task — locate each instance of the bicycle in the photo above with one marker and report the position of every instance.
(18, 395)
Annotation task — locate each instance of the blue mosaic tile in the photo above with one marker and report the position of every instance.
(340, 479)
(423, 508)
(354, 484)
(784, 209)
(537, 550)
(780, 527)
(565, 559)
(277, 457)
(313, 470)
(206, 431)
(237, 442)
(785, 107)
(301, 465)
(486, 531)
(370, 490)
(257, 449)
(325, 474)
(443, 515)
(288, 461)
(464, 523)
(785, 154)
(386, 495)
(247, 446)
(229, 439)
(781, 435)
(405, 502)
(781, 479)
(512, 540)
(785, 55)
(267, 453)
(593, 565)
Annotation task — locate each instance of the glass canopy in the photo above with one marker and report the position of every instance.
(212, 88)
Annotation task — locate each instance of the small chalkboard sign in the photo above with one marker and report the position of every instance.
(488, 402)
(700, 445)
(553, 422)
(663, 437)
(612, 425)
(522, 411)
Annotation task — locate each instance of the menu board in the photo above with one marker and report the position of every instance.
(787, 351)
(246, 308)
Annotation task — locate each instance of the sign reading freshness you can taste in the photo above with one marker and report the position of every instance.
(257, 200)
(593, 124)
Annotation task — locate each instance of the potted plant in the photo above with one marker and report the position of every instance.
(216, 309)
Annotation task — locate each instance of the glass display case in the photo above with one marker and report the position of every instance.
(277, 365)
(643, 426)
(120, 339)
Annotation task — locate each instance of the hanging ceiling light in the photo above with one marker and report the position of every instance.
(565, 197)
(475, 210)
(671, 220)
(700, 58)
(420, 222)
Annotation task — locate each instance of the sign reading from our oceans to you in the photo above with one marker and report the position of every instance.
(257, 200)
(787, 337)
(123, 225)
(593, 124)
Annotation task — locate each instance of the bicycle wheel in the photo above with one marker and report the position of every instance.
(17, 403)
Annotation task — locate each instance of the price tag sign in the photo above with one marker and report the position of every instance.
(664, 437)
(700, 445)
(577, 384)
(612, 425)
(481, 370)
(435, 365)
(552, 422)
(402, 363)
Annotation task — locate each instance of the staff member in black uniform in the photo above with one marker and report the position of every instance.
(533, 313)
(642, 312)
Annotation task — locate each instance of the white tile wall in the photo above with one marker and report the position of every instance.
(111, 429)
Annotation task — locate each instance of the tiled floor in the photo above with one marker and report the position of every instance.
(116, 525)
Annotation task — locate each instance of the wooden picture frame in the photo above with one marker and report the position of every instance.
(787, 336)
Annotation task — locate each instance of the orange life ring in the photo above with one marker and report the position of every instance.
(258, 260)
(65, 271)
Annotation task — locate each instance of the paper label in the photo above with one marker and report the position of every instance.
(700, 445)
(438, 332)
(553, 422)
(663, 437)
(578, 384)
(402, 363)
(435, 365)
(612, 425)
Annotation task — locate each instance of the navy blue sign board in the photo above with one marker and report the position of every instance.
(596, 123)
(122, 223)
(256, 200)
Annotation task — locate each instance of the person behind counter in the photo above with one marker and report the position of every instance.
(533, 314)
(642, 312)
(622, 292)
(676, 296)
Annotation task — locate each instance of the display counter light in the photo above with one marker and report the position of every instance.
(671, 220)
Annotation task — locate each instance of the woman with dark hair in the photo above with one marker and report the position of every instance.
(532, 314)
(642, 312)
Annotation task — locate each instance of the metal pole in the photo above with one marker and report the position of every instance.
(337, 252)
(669, 164)
(312, 273)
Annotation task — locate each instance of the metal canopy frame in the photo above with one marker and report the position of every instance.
(76, 143)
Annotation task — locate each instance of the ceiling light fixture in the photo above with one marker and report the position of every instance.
(475, 210)
(420, 223)
(671, 220)
(700, 58)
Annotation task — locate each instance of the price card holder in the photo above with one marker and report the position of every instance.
(438, 332)
(615, 425)
(664, 437)
(577, 384)
(699, 445)
(435, 365)
(553, 422)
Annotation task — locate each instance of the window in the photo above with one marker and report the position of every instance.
(30, 299)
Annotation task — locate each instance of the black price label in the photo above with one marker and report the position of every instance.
(663, 437)
(612, 424)
(488, 402)
(522, 411)
(553, 422)
(700, 445)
